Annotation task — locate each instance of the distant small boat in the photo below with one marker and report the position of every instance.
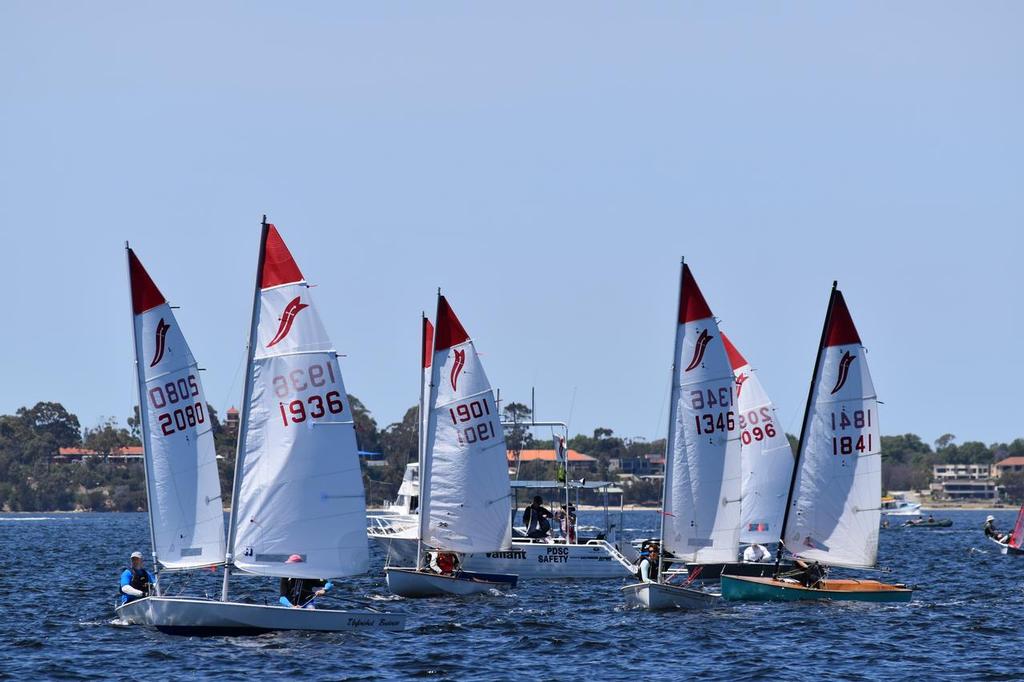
(927, 523)
(897, 505)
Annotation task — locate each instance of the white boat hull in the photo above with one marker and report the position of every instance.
(408, 582)
(1007, 549)
(596, 559)
(657, 597)
(206, 617)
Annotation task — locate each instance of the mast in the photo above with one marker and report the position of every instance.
(672, 415)
(427, 457)
(421, 444)
(143, 421)
(803, 426)
(243, 423)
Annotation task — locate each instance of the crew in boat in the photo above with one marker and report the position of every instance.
(647, 569)
(756, 554)
(136, 581)
(535, 518)
(443, 563)
(809, 575)
(992, 532)
(567, 522)
(300, 592)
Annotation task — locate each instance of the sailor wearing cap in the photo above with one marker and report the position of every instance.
(136, 581)
(302, 592)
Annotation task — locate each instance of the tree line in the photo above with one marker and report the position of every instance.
(31, 480)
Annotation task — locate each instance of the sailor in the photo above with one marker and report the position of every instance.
(755, 554)
(991, 532)
(535, 518)
(567, 522)
(443, 563)
(810, 575)
(647, 569)
(300, 592)
(136, 581)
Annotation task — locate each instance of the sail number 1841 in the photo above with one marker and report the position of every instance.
(848, 445)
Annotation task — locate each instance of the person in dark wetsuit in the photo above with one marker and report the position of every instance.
(991, 532)
(535, 518)
(136, 581)
(299, 592)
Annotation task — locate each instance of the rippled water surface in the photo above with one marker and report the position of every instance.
(59, 575)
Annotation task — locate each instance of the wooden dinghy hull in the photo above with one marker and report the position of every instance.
(183, 616)
(736, 588)
(408, 582)
(658, 597)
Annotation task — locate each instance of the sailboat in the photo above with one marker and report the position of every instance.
(700, 520)
(464, 485)
(298, 488)
(767, 461)
(834, 499)
(1014, 545)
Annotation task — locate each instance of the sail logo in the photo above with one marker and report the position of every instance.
(739, 383)
(161, 342)
(844, 371)
(457, 365)
(287, 319)
(698, 352)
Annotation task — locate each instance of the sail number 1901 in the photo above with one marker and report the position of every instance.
(466, 412)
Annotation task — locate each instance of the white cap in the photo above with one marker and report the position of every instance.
(990, 518)
(136, 555)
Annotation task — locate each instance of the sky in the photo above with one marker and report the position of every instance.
(546, 165)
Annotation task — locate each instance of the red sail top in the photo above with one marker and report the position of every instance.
(449, 330)
(428, 342)
(145, 295)
(840, 328)
(692, 305)
(735, 359)
(278, 265)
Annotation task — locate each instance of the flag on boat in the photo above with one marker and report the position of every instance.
(181, 461)
(702, 468)
(427, 353)
(766, 457)
(300, 490)
(836, 504)
(465, 504)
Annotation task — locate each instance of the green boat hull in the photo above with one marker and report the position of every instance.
(737, 589)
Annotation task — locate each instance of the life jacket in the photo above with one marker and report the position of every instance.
(140, 580)
(446, 562)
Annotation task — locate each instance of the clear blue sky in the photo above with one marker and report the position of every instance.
(546, 164)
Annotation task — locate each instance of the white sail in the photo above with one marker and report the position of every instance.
(181, 461)
(701, 520)
(464, 484)
(837, 497)
(300, 489)
(766, 457)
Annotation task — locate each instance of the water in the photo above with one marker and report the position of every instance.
(59, 574)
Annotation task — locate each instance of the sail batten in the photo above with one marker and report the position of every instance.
(183, 487)
(701, 498)
(300, 489)
(836, 501)
(465, 505)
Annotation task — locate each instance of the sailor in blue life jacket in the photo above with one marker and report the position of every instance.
(136, 581)
(301, 592)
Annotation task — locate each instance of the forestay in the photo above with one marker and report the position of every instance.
(301, 490)
(766, 456)
(181, 462)
(702, 476)
(837, 495)
(465, 500)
